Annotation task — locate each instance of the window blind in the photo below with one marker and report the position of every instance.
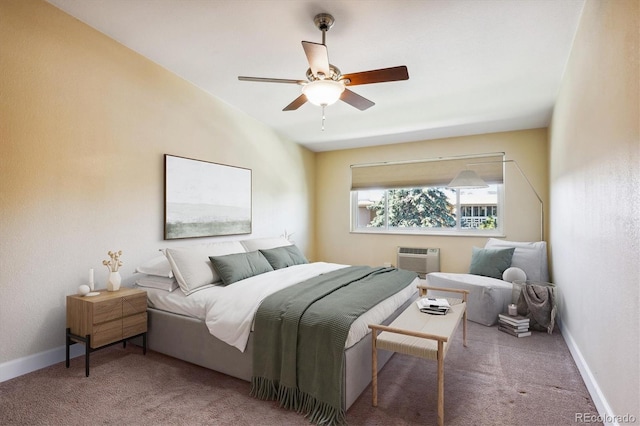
(421, 173)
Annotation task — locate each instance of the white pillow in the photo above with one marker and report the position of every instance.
(264, 243)
(158, 266)
(531, 257)
(513, 274)
(192, 266)
(160, 283)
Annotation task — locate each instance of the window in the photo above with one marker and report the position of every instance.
(424, 204)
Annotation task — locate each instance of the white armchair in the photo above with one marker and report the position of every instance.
(489, 296)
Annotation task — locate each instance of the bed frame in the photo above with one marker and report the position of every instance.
(189, 339)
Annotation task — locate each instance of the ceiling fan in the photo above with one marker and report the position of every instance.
(325, 83)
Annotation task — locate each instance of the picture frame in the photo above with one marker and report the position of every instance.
(205, 199)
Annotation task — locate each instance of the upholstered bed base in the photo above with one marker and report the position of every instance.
(189, 339)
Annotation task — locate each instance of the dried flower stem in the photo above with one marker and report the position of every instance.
(114, 263)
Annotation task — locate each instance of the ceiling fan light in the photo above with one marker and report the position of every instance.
(323, 92)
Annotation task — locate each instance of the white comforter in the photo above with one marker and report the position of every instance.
(229, 316)
(229, 311)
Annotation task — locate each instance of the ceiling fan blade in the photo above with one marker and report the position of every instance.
(356, 100)
(377, 76)
(272, 80)
(297, 103)
(318, 58)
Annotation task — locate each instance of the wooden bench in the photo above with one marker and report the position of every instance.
(423, 335)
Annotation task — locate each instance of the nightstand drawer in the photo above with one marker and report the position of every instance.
(106, 333)
(107, 310)
(134, 304)
(134, 325)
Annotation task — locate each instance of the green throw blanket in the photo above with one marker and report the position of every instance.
(300, 333)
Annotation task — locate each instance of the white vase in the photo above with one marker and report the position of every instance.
(113, 282)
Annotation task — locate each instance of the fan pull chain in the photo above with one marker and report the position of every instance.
(323, 118)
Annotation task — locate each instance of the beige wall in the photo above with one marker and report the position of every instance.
(84, 125)
(595, 199)
(335, 242)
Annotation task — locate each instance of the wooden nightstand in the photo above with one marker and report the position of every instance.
(111, 317)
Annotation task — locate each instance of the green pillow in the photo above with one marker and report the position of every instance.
(282, 257)
(236, 267)
(490, 262)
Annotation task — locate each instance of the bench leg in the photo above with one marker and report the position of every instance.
(440, 383)
(374, 369)
(464, 328)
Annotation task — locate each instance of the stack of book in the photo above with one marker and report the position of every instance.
(433, 306)
(514, 325)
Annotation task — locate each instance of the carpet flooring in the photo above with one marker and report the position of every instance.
(497, 380)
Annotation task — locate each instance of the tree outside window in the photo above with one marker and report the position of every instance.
(414, 207)
(430, 209)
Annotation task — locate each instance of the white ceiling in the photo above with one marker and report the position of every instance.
(474, 66)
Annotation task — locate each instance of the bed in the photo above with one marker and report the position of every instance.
(206, 326)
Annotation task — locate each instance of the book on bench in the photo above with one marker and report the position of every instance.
(433, 306)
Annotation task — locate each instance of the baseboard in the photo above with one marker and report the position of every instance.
(27, 364)
(604, 410)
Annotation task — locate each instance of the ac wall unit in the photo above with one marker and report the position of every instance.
(420, 260)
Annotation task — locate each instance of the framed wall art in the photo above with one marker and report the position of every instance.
(204, 199)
